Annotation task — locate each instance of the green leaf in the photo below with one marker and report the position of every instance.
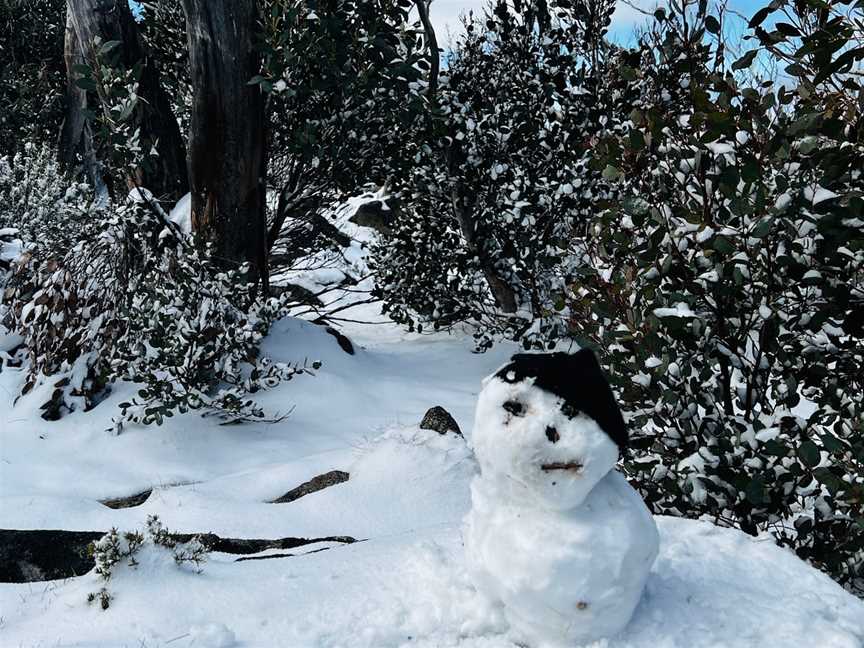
(832, 443)
(628, 73)
(829, 479)
(809, 453)
(808, 144)
(759, 17)
(109, 46)
(611, 173)
(787, 30)
(86, 83)
(762, 228)
(755, 491)
(723, 245)
(745, 61)
(847, 58)
(712, 24)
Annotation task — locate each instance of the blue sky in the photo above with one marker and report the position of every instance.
(445, 14)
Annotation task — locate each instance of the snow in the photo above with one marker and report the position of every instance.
(817, 194)
(511, 447)
(681, 309)
(547, 480)
(720, 148)
(11, 248)
(141, 195)
(181, 214)
(407, 582)
(589, 576)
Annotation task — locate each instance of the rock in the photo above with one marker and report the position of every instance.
(376, 214)
(298, 293)
(342, 340)
(312, 486)
(127, 502)
(31, 556)
(440, 420)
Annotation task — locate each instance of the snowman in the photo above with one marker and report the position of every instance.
(555, 535)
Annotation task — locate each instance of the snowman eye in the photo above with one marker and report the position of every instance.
(569, 410)
(552, 434)
(514, 407)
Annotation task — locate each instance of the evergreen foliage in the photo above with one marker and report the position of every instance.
(32, 72)
(501, 181)
(725, 291)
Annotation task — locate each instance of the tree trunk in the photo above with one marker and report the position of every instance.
(227, 142)
(72, 130)
(432, 47)
(502, 292)
(76, 136)
(112, 20)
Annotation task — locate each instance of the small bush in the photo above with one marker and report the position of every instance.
(114, 549)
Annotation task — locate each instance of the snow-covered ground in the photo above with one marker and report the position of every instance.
(407, 495)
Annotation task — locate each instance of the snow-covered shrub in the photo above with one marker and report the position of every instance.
(725, 293)
(133, 300)
(116, 549)
(37, 203)
(502, 181)
(38, 200)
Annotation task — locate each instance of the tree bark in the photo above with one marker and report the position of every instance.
(72, 129)
(112, 20)
(76, 137)
(227, 142)
(432, 46)
(502, 292)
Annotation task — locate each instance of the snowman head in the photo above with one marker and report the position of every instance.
(547, 427)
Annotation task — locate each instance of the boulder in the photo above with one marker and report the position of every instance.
(376, 214)
(341, 339)
(440, 420)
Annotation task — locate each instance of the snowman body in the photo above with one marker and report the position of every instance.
(555, 536)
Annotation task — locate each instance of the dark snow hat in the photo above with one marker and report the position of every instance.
(576, 378)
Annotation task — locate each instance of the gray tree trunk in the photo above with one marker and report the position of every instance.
(76, 136)
(72, 130)
(227, 142)
(112, 20)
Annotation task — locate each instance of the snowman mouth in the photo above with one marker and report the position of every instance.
(572, 466)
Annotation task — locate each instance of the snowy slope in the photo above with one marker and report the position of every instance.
(408, 492)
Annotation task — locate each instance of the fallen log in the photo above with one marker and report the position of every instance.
(41, 555)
